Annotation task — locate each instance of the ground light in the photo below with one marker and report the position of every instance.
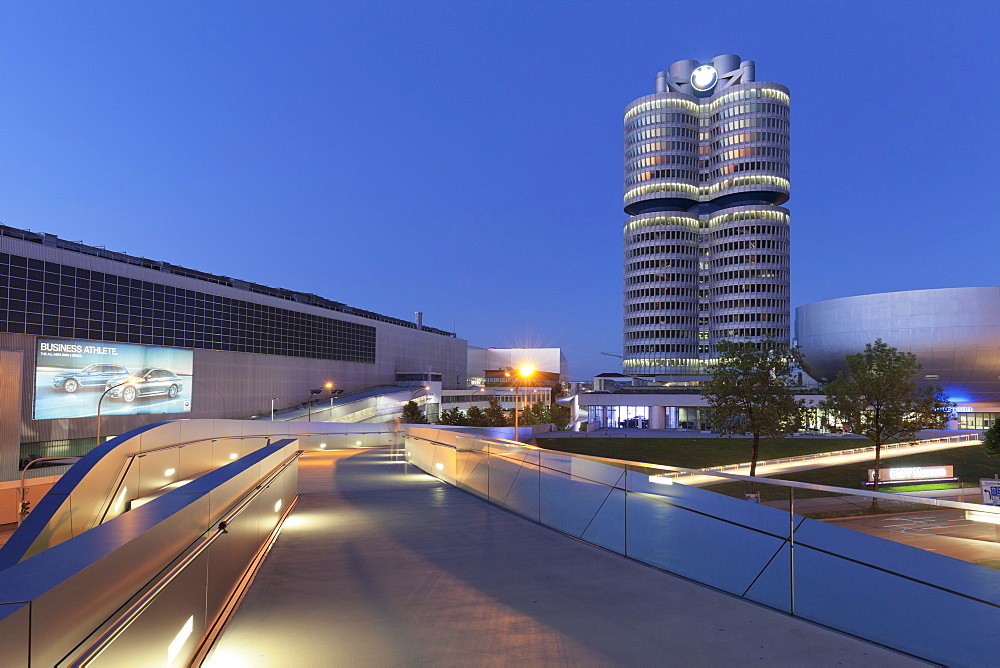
(982, 516)
(178, 642)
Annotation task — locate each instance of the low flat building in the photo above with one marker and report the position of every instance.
(656, 408)
(75, 319)
(547, 360)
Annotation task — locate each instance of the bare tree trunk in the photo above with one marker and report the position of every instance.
(753, 462)
(878, 465)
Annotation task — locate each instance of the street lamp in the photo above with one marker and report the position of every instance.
(273, 399)
(126, 382)
(312, 393)
(525, 372)
(329, 386)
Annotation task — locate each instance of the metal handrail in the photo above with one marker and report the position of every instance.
(667, 470)
(20, 509)
(127, 462)
(119, 626)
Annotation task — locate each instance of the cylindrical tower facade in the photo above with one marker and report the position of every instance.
(707, 240)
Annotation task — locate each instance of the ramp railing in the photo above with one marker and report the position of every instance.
(883, 567)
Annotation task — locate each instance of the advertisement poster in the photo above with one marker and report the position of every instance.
(71, 375)
(991, 491)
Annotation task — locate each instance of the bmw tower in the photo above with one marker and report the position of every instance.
(706, 241)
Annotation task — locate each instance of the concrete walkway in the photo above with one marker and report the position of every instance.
(383, 565)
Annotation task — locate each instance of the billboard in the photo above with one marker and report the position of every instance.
(71, 375)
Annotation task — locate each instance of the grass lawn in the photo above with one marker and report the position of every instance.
(970, 463)
(696, 453)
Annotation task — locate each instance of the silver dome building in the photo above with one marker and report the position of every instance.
(954, 332)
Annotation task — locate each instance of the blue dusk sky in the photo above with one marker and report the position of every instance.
(464, 159)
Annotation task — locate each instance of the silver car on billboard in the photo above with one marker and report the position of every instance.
(94, 375)
(145, 382)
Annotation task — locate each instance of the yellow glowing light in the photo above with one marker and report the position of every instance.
(233, 455)
(121, 499)
(526, 370)
(277, 505)
(328, 385)
(178, 642)
(357, 442)
(981, 516)
(322, 446)
(169, 472)
(439, 466)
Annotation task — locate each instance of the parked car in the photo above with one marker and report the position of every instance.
(95, 375)
(145, 383)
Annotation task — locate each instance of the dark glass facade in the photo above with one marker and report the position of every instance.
(50, 299)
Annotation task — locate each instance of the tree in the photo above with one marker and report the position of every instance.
(991, 439)
(560, 415)
(412, 414)
(541, 413)
(453, 416)
(752, 392)
(496, 416)
(476, 417)
(534, 414)
(880, 400)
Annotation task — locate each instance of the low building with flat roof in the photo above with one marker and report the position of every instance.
(75, 319)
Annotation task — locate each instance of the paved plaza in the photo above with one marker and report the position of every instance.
(383, 565)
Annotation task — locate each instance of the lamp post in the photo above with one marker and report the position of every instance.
(524, 372)
(23, 506)
(99, 409)
(273, 399)
(329, 386)
(312, 393)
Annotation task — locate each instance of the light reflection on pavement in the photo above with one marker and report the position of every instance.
(946, 532)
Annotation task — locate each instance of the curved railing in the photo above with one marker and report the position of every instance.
(172, 565)
(847, 559)
(167, 452)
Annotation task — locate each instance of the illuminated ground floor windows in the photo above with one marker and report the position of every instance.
(976, 420)
(645, 417)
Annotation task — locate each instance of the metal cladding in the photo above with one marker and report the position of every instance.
(706, 243)
(954, 332)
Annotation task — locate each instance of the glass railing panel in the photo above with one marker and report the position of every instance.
(720, 502)
(579, 466)
(513, 450)
(513, 479)
(584, 498)
(420, 453)
(960, 530)
(721, 540)
(904, 572)
(472, 466)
